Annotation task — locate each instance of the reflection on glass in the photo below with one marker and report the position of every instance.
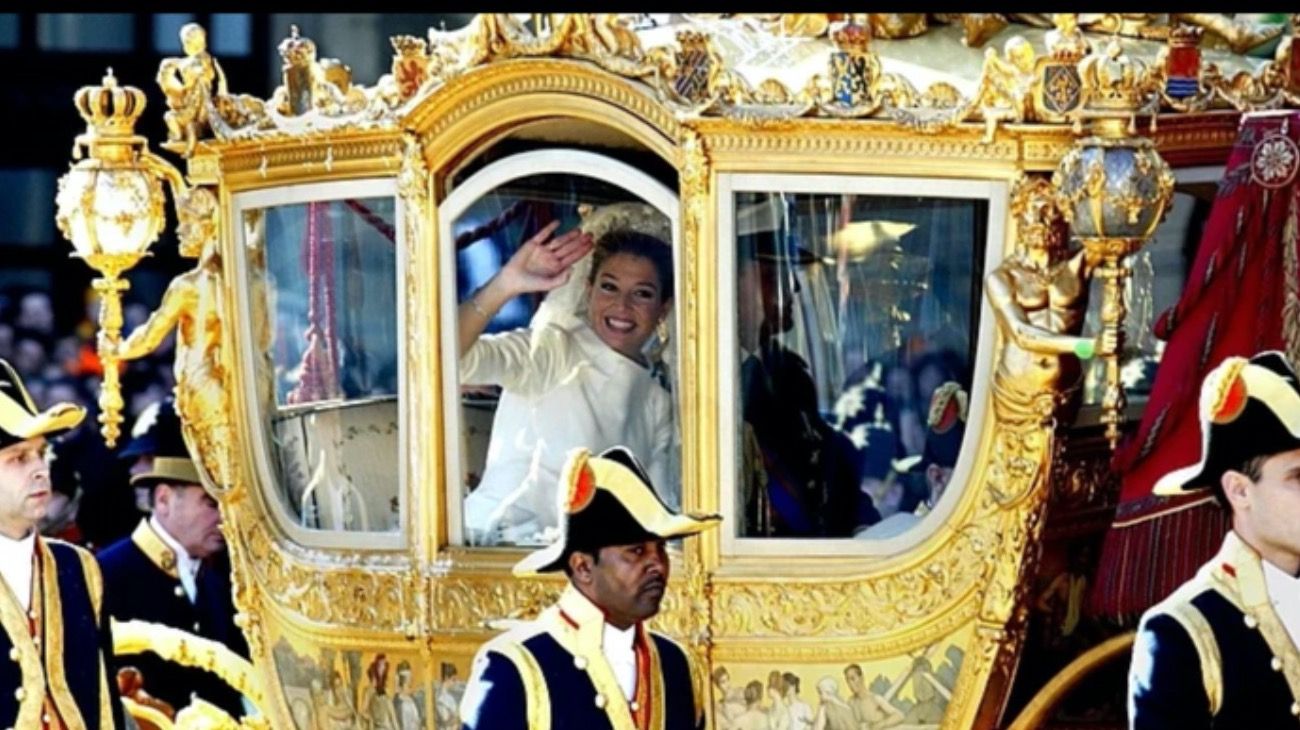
(855, 319)
(323, 290)
(1159, 272)
(566, 292)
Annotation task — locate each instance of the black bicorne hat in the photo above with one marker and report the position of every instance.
(158, 432)
(608, 500)
(1248, 408)
(19, 419)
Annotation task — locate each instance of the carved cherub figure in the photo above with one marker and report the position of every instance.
(187, 85)
(1006, 84)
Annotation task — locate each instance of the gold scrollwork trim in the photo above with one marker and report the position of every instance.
(361, 594)
(814, 650)
(511, 79)
(269, 161)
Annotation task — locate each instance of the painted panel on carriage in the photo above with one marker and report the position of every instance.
(857, 321)
(908, 693)
(331, 689)
(323, 295)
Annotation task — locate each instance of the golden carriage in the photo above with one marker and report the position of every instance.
(336, 226)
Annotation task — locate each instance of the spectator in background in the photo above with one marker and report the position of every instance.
(29, 357)
(36, 315)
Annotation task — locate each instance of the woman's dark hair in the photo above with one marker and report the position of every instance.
(633, 243)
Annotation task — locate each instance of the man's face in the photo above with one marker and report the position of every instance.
(24, 486)
(191, 516)
(853, 678)
(1268, 509)
(628, 581)
(766, 297)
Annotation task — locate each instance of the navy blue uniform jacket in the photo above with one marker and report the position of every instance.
(65, 658)
(1215, 653)
(551, 674)
(141, 582)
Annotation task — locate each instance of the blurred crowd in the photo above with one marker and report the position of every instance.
(93, 503)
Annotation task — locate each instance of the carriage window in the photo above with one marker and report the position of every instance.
(856, 320)
(564, 327)
(323, 295)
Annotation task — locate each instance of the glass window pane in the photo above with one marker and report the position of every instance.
(324, 296)
(576, 365)
(856, 322)
(27, 207)
(231, 34)
(167, 31)
(10, 30)
(86, 31)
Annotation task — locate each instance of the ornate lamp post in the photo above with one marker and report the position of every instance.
(1114, 189)
(110, 206)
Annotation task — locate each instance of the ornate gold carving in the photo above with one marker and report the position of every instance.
(539, 76)
(188, 650)
(353, 592)
(1039, 295)
(186, 83)
(193, 305)
(691, 77)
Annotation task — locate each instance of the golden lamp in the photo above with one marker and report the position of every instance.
(110, 206)
(1114, 189)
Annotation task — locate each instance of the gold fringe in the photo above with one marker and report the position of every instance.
(1291, 262)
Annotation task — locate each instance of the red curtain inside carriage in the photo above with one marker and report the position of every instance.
(1242, 296)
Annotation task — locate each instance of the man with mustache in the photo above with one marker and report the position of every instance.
(588, 661)
(56, 632)
(173, 569)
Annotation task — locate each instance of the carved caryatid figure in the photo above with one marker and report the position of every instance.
(1040, 296)
(192, 305)
(187, 85)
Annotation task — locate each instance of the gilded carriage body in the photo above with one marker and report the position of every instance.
(342, 443)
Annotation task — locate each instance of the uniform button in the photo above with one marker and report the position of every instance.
(580, 662)
(1276, 664)
(196, 627)
(179, 591)
(600, 701)
(45, 719)
(19, 694)
(635, 705)
(1251, 622)
(13, 653)
(1295, 708)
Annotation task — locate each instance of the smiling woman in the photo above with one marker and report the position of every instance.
(577, 378)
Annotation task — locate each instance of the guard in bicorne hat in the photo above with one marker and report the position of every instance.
(174, 569)
(56, 636)
(1221, 651)
(588, 661)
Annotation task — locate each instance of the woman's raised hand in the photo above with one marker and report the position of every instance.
(543, 263)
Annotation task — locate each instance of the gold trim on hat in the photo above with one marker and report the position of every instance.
(627, 487)
(1271, 389)
(170, 469)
